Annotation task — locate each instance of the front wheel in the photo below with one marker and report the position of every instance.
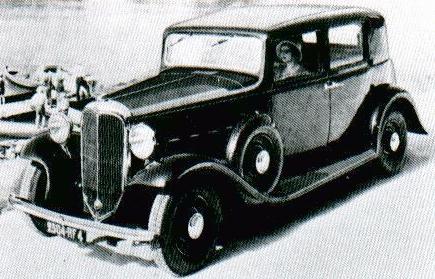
(191, 226)
(392, 143)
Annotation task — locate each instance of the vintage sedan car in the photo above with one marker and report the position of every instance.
(253, 105)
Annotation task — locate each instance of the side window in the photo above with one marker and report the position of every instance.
(378, 45)
(346, 44)
(297, 55)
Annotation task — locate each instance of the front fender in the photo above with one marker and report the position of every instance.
(41, 149)
(170, 173)
(61, 165)
(161, 174)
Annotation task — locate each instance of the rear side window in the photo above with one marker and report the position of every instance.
(346, 44)
(378, 45)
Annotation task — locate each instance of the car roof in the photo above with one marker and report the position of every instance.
(269, 18)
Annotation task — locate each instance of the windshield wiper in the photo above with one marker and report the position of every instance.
(219, 42)
(178, 41)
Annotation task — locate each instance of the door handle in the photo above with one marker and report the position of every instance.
(330, 85)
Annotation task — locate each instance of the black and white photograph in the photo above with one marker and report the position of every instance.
(217, 139)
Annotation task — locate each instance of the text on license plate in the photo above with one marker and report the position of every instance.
(66, 232)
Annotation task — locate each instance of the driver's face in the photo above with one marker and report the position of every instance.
(286, 55)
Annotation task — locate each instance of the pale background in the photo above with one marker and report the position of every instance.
(360, 227)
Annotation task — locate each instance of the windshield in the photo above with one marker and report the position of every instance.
(221, 52)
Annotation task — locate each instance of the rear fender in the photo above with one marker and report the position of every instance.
(403, 103)
(393, 98)
(379, 101)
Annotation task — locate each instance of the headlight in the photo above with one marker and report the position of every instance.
(59, 127)
(142, 141)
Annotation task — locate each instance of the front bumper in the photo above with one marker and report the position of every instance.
(96, 231)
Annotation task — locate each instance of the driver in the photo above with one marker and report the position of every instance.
(289, 57)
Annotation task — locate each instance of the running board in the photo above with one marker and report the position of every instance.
(297, 186)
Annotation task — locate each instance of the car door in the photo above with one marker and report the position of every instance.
(300, 105)
(349, 80)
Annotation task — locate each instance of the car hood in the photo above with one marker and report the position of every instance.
(165, 92)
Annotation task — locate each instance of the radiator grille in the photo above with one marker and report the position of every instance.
(103, 149)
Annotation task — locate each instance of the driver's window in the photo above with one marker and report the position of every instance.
(296, 56)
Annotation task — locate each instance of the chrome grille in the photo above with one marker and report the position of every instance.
(103, 158)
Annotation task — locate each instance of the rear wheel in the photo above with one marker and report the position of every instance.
(40, 185)
(392, 143)
(190, 230)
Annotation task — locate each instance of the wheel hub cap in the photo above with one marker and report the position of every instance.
(195, 226)
(394, 142)
(262, 162)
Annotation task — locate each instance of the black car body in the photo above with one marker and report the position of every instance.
(162, 162)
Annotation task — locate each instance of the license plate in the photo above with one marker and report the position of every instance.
(66, 232)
